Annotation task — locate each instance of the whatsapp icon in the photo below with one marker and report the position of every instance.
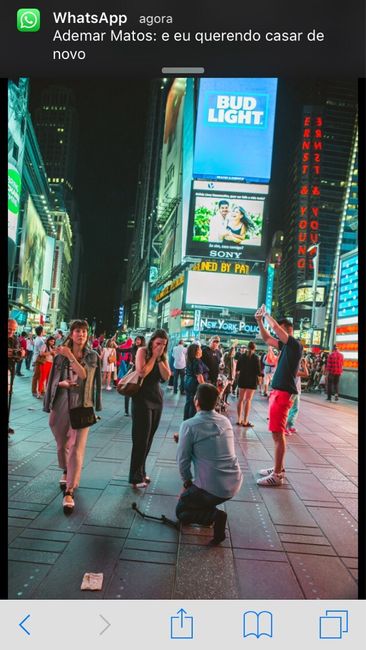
(28, 20)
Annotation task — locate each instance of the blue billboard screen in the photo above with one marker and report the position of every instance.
(348, 287)
(234, 131)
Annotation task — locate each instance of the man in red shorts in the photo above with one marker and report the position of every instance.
(283, 389)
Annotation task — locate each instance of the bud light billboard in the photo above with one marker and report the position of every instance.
(234, 131)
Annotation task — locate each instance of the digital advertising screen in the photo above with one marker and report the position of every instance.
(226, 223)
(172, 143)
(347, 311)
(32, 258)
(222, 290)
(234, 132)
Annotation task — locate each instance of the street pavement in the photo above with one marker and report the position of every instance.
(294, 541)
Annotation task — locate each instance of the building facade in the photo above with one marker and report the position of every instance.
(317, 191)
(198, 285)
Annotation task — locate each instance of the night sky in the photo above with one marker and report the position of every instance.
(112, 117)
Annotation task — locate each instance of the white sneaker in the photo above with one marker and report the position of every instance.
(273, 480)
(268, 472)
(109, 387)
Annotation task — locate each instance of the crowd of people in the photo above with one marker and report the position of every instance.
(71, 370)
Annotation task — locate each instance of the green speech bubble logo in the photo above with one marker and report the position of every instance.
(28, 20)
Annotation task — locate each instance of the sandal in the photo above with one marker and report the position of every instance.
(248, 424)
(143, 484)
(68, 502)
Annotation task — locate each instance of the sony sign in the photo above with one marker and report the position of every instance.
(228, 326)
(239, 110)
(228, 255)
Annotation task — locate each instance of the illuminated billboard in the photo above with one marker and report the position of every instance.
(347, 310)
(226, 220)
(17, 120)
(305, 294)
(219, 290)
(171, 155)
(32, 258)
(234, 131)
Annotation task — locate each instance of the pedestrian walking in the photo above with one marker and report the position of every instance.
(125, 357)
(138, 343)
(269, 363)
(179, 354)
(196, 373)
(303, 372)
(45, 358)
(211, 357)
(249, 369)
(152, 365)
(74, 383)
(333, 371)
(22, 339)
(38, 344)
(261, 376)
(109, 358)
(238, 353)
(29, 353)
(283, 389)
(170, 385)
(15, 353)
(229, 371)
(207, 441)
(59, 337)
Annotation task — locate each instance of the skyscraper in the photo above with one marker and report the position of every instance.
(316, 189)
(56, 123)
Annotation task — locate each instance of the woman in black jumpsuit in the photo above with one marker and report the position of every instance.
(151, 364)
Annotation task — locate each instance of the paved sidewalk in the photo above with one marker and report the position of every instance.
(295, 541)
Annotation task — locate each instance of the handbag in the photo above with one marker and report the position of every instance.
(112, 358)
(130, 384)
(81, 417)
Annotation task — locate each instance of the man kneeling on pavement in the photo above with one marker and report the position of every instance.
(207, 440)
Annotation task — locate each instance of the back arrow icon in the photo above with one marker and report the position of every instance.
(107, 626)
(22, 626)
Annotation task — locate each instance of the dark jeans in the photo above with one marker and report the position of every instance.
(19, 367)
(196, 506)
(189, 407)
(127, 403)
(179, 372)
(333, 384)
(145, 421)
(28, 359)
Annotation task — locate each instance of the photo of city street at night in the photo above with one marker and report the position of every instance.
(183, 338)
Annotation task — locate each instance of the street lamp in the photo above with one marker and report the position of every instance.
(315, 287)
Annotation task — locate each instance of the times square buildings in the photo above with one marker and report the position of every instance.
(211, 140)
(44, 245)
(206, 141)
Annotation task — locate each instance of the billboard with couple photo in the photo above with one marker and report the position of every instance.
(225, 224)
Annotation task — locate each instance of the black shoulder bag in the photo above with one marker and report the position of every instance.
(81, 417)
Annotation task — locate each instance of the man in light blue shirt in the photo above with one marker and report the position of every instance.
(207, 441)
